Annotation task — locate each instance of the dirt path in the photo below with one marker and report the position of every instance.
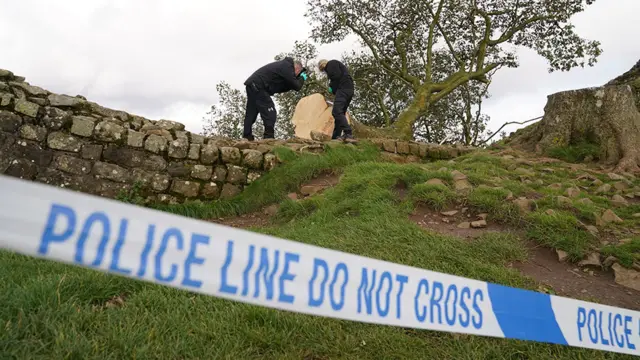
(589, 284)
(567, 280)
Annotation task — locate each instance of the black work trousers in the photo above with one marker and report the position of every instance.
(340, 105)
(259, 102)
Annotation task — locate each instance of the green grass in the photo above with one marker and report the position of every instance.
(575, 153)
(626, 253)
(55, 311)
(559, 230)
(276, 184)
(435, 196)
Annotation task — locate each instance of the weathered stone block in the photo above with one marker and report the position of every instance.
(201, 172)
(170, 125)
(91, 151)
(6, 140)
(66, 101)
(29, 89)
(236, 174)
(424, 149)
(83, 125)
(136, 122)
(108, 113)
(197, 139)
(9, 121)
(154, 163)
(110, 131)
(23, 149)
(4, 87)
(61, 141)
(264, 148)
(402, 147)
(154, 130)
(157, 182)
(160, 182)
(23, 169)
(209, 154)
(253, 176)
(187, 189)
(38, 101)
(72, 165)
(270, 161)
(156, 144)
(179, 148)
(135, 139)
(194, 152)
(111, 172)
(229, 191)
(252, 159)
(414, 149)
(230, 155)
(6, 75)
(20, 95)
(219, 173)
(389, 145)
(210, 190)
(180, 169)
(5, 99)
(123, 156)
(56, 119)
(26, 108)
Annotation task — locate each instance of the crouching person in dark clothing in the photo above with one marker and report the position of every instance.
(340, 84)
(273, 78)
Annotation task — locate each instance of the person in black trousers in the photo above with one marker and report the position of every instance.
(273, 78)
(340, 84)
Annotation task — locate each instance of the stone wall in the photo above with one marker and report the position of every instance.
(74, 143)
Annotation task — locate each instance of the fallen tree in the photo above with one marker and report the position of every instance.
(606, 117)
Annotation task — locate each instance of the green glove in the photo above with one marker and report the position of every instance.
(330, 90)
(304, 76)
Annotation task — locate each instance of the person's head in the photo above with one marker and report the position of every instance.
(322, 64)
(297, 66)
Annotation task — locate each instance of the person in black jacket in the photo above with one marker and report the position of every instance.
(273, 78)
(340, 84)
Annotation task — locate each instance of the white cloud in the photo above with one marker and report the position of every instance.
(163, 58)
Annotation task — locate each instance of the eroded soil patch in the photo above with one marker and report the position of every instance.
(590, 284)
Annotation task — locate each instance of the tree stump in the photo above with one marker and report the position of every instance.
(604, 116)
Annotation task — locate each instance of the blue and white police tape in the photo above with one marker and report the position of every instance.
(110, 236)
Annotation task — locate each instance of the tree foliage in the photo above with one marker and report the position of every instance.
(436, 46)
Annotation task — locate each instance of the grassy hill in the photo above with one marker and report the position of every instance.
(489, 215)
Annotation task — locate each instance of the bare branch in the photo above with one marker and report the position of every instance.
(509, 123)
(380, 60)
(436, 19)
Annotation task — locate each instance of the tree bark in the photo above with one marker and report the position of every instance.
(606, 116)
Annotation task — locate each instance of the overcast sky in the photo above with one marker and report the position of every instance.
(163, 58)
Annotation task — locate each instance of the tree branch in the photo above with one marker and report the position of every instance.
(436, 19)
(380, 60)
(509, 123)
(507, 35)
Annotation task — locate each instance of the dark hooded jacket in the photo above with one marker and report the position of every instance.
(338, 75)
(276, 77)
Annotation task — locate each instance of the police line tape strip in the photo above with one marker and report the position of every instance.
(110, 236)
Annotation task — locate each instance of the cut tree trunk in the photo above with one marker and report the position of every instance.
(606, 116)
